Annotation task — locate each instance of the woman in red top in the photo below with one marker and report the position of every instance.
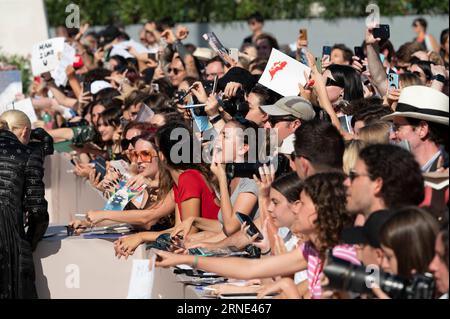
(192, 184)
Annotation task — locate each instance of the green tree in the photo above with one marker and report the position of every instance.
(102, 12)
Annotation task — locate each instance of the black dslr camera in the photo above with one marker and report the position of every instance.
(236, 104)
(345, 276)
(40, 139)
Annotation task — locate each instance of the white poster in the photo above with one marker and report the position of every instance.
(67, 58)
(121, 49)
(46, 55)
(283, 74)
(23, 105)
(142, 278)
(10, 85)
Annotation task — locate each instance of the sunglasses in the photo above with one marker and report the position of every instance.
(144, 156)
(273, 120)
(293, 156)
(352, 175)
(125, 144)
(175, 71)
(331, 82)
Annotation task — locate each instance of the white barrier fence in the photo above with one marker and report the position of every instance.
(66, 193)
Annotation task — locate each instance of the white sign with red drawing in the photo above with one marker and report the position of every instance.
(283, 74)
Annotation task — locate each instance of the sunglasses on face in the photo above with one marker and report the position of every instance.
(293, 156)
(274, 120)
(144, 156)
(352, 175)
(175, 71)
(331, 82)
(125, 143)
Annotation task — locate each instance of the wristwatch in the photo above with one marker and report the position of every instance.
(215, 119)
(439, 77)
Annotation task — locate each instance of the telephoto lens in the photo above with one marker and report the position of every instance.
(345, 276)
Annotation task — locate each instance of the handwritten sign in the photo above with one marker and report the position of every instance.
(46, 55)
(283, 74)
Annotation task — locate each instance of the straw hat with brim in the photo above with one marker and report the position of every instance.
(423, 103)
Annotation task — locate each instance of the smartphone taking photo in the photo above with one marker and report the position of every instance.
(253, 230)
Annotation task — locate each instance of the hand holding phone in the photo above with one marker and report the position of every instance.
(382, 32)
(393, 81)
(252, 230)
(326, 52)
(100, 166)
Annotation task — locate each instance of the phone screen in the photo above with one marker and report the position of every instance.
(100, 166)
(326, 51)
(382, 32)
(359, 52)
(253, 230)
(393, 81)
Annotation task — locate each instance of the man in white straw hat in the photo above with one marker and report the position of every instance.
(421, 119)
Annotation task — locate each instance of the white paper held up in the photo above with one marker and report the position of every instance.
(121, 49)
(46, 55)
(283, 74)
(68, 57)
(23, 105)
(10, 86)
(142, 278)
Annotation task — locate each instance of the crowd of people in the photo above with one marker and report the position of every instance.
(350, 177)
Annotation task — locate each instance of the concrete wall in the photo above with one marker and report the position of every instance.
(349, 31)
(22, 23)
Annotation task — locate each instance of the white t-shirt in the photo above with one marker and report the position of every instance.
(290, 242)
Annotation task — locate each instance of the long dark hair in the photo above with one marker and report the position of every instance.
(328, 193)
(349, 79)
(289, 185)
(418, 228)
(167, 144)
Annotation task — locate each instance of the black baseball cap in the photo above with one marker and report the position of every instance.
(369, 233)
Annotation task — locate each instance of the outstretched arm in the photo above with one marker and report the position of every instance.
(240, 268)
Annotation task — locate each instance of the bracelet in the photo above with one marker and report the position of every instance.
(267, 252)
(195, 263)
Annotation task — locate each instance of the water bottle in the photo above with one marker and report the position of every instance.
(48, 121)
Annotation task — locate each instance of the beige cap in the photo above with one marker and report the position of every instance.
(291, 105)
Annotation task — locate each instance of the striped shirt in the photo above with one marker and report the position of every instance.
(315, 265)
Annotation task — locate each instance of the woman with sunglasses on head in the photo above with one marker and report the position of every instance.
(237, 194)
(156, 204)
(110, 130)
(191, 184)
(129, 135)
(320, 218)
